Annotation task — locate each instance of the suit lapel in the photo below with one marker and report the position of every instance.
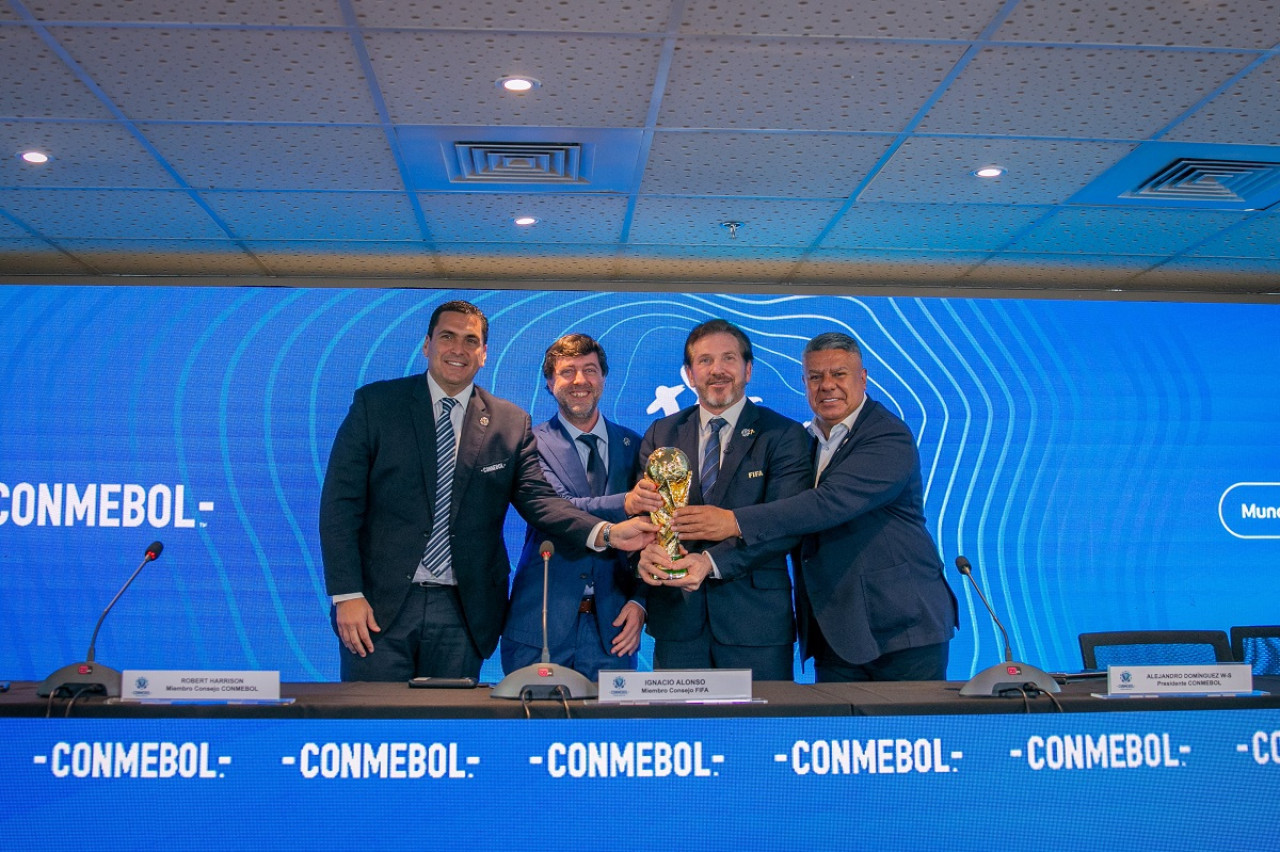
(737, 449)
(619, 466)
(687, 442)
(561, 455)
(845, 448)
(475, 429)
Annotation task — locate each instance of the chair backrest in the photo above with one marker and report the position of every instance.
(1258, 646)
(1154, 648)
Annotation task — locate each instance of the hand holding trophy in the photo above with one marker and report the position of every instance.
(668, 468)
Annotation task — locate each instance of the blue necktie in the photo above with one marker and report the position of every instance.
(595, 464)
(437, 558)
(711, 455)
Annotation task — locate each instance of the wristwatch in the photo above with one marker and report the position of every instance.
(608, 528)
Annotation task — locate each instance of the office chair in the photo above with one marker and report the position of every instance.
(1154, 648)
(1259, 647)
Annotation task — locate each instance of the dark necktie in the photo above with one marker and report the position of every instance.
(437, 557)
(711, 455)
(595, 464)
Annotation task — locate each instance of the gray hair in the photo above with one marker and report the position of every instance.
(833, 340)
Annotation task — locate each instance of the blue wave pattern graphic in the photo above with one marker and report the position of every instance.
(1075, 452)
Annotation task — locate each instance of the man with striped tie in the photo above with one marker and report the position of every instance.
(733, 608)
(421, 474)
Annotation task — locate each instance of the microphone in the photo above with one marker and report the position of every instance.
(1010, 676)
(544, 680)
(86, 676)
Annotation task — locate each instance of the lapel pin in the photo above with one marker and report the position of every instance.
(747, 433)
(484, 421)
(626, 442)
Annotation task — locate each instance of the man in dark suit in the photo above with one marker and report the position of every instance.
(421, 474)
(733, 608)
(593, 617)
(871, 599)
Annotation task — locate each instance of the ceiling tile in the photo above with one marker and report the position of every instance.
(260, 12)
(931, 227)
(107, 214)
(226, 74)
(696, 221)
(164, 257)
(317, 215)
(560, 15)
(789, 165)
(1078, 92)
(35, 83)
(1247, 113)
(83, 156)
(910, 19)
(814, 85)
(479, 218)
(1256, 238)
(279, 157)
(940, 170)
(1106, 231)
(449, 78)
(1223, 23)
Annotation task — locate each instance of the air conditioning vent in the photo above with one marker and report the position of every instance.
(1192, 179)
(523, 163)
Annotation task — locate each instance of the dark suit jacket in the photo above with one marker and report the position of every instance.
(379, 494)
(767, 458)
(868, 570)
(610, 571)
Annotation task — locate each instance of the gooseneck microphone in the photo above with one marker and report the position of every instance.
(545, 680)
(88, 676)
(1009, 677)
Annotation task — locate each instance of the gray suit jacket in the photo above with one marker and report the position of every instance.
(867, 570)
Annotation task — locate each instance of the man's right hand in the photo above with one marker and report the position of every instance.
(355, 620)
(642, 499)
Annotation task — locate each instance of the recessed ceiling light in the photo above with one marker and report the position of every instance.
(518, 85)
(526, 221)
(989, 172)
(34, 157)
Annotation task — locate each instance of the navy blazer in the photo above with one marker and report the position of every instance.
(766, 459)
(572, 570)
(378, 499)
(868, 570)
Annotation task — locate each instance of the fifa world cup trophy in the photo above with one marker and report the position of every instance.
(668, 468)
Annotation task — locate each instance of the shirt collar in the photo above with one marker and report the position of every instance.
(730, 414)
(841, 429)
(598, 430)
(437, 393)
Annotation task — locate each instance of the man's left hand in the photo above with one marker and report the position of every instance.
(631, 619)
(705, 523)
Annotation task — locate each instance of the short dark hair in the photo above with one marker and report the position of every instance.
(716, 326)
(832, 340)
(458, 306)
(573, 346)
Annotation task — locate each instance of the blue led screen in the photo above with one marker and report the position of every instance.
(1104, 465)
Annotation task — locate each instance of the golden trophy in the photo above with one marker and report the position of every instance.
(668, 468)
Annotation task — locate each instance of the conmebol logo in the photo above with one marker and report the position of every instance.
(95, 504)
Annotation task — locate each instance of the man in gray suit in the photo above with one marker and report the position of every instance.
(871, 599)
(421, 474)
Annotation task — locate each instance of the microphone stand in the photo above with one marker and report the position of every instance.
(543, 680)
(1010, 676)
(87, 676)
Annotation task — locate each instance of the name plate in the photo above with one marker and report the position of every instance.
(695, 686)
(205, 686)
(1204, 679)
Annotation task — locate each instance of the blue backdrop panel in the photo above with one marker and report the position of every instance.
(1086, 456)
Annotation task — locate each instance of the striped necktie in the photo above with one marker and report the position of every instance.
(437, 557)
(711, 455)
